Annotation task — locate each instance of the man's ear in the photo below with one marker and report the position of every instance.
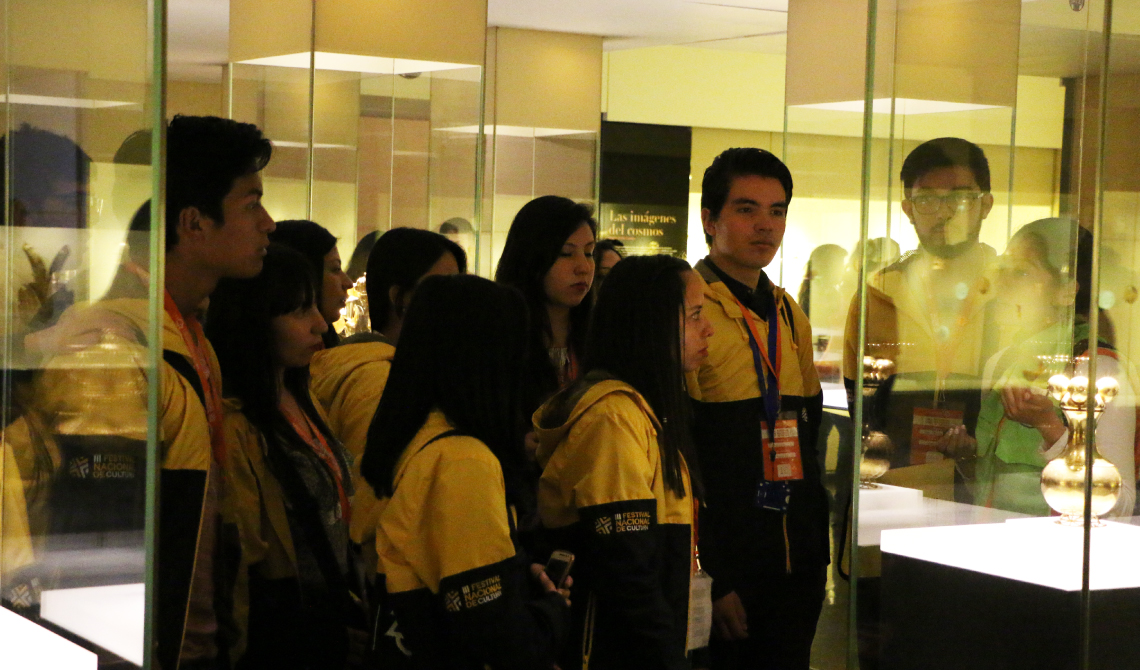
(708, 222)
(190, 223)
(987, 204)
(908, 209)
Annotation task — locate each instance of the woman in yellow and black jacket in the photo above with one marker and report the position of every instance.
(349, 379)
(617, 488)
(445, 455)
(287, 485)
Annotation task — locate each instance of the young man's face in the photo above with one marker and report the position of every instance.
(748, 230)
(947, 207)
(236, 247)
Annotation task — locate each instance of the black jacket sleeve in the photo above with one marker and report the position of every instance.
(620, 545)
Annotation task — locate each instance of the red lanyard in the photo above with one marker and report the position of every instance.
(312, 436)
(192, 335)
(696, 566)
(775, 369)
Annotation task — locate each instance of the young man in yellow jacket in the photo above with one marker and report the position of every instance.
(91, 397)
(763, 535)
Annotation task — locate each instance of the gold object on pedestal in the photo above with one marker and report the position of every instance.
(1063, 479)
(355, 314)
(877, 446)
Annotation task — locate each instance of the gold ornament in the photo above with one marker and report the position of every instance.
(1063, 479)
(877, 446)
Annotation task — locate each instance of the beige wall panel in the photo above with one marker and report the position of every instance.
(960, 51)
(193, 98)
(336, 107)
(548, 80)
(260, 28)
(107, 39)
(687, 86)
(451, 31)
(827, 48)
(708, 143)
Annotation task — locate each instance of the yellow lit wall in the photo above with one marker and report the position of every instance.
(688, 86)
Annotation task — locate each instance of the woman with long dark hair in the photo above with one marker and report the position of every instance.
(445, 454)
(348, 380)
(619, 485)
(287, 477)
(549, 257)
(318, 245)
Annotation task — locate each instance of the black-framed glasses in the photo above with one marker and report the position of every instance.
(932, 204)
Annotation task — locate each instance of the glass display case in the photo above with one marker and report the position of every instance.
(963, 237)
(77, 485)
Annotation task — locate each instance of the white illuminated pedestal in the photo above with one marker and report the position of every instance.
(26, 646)
(110, 616)
(1033, 550)
(892, 507)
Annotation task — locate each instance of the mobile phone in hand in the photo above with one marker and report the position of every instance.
(558, 567)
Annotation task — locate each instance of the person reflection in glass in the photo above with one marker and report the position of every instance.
(926, 312)
(1044, 305)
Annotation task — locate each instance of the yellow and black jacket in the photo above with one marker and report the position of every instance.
(899, 327)
(457, 582)
(282, 618)
(347, 382)
(739, 541)
(90, 410)
(602, 496)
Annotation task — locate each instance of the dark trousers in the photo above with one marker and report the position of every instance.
(782, 614)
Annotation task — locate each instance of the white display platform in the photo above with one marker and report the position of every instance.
(26, 646)
(110, 616)
(891, 507)
(834, 395)
(1033, 550)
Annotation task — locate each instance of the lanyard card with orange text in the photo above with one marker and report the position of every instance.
(782, 459)
(929, 426)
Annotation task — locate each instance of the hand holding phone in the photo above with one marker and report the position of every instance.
(558, 567)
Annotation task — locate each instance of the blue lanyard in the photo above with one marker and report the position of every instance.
(765, 369)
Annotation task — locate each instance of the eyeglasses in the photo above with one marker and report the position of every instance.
(932, 204)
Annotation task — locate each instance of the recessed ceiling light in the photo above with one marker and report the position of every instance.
(902, 106)
(353, 63)
(54, 101)
(518, 131)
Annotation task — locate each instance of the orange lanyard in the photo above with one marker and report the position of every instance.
(321, 448)
(747, 313)
(192, 336)
(696, 566)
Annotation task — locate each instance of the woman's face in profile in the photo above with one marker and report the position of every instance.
(334, 287)
(297, 336)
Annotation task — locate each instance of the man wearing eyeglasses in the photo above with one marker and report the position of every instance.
(925, 313)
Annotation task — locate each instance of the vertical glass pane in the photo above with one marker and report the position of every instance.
(970, 352)
(276, 99)
(77, 169)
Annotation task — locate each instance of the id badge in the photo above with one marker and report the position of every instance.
(782, 459)
(927, 429)
(700, 610)
(773, 496)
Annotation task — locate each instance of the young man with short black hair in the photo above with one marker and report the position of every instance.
(764, 531)
(91, 397)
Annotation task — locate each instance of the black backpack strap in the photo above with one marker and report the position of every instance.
(185, 368)
(443, 435)
(788, 317)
